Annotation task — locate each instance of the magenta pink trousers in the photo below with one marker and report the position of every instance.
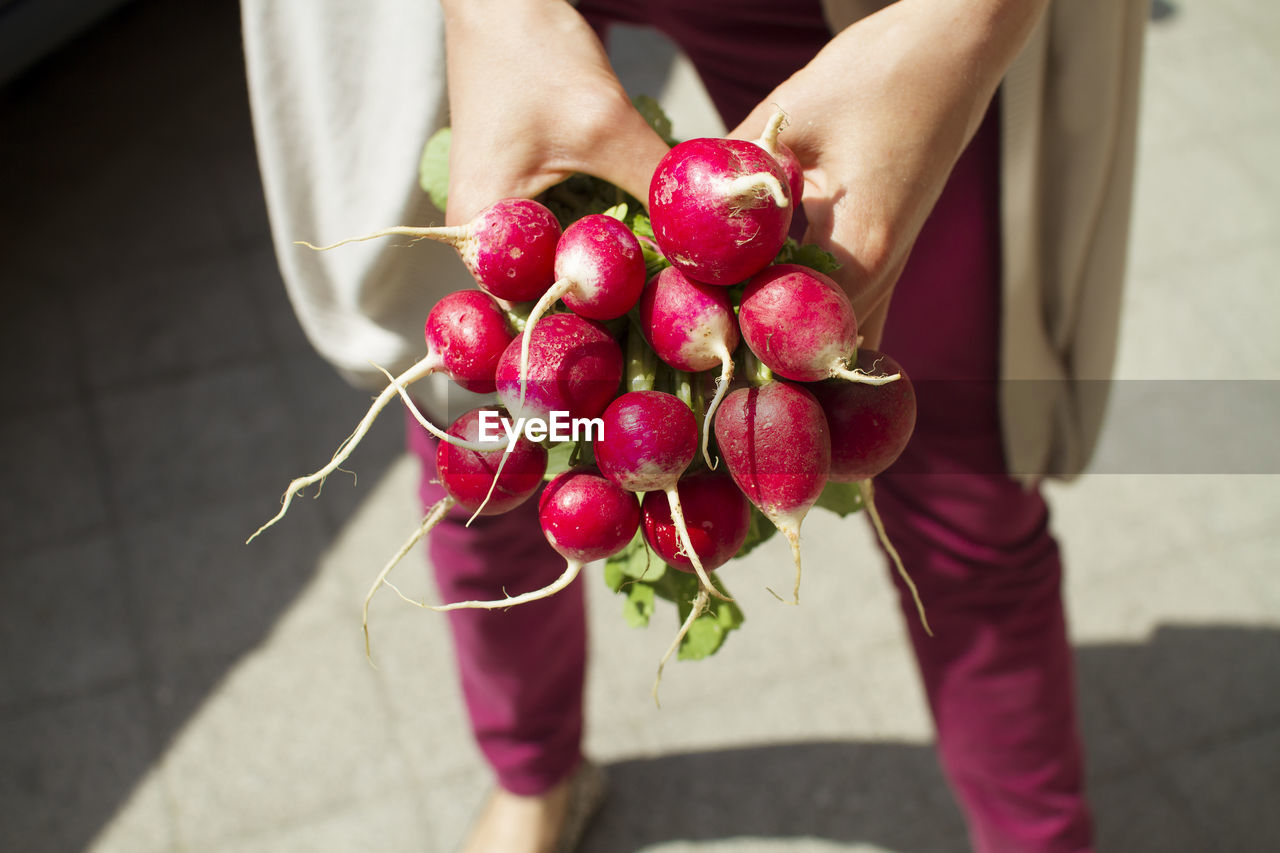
(998, 672)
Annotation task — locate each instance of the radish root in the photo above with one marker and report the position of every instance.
(571, 571)
(413, 374)
(865, 489)
(677, 517)
(746, 192)
(839, 371)
(722, 387)
(455, 236)
(700, 603)
(433, 517)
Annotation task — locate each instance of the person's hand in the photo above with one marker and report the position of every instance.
(533, 99)
(879, 118)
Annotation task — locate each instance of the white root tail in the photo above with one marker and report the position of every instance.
(677, 518)
(793, 539)
(839, 371)
(769, 139)
(868, 501)
(571, 571)
(433, 517)
(454, 235)
(699, 607)
(722, 387)
(414, 373)
(478, 446)
(745, 192)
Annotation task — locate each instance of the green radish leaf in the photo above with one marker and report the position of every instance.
(433, 168)
(638, 605)
(841, 498)
(559, 459)
(809, 255)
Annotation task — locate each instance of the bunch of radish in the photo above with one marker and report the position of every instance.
(697, 334)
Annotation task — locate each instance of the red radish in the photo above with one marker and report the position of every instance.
(692, 327)
(467, 333)
(870, 426)
(648, 440)
(599, 274)
(776, 443)
(575, 367)
(718, 519)
(466, 476)
(576, 370)
(509, 247)
(800, 323)
(585, 517)
(786, 158)
(463, 332)
(720, 209)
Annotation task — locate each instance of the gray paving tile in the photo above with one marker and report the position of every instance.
(63, 623)
(1138, 814)
(175, 446)
(292, 733)
(1195, 183)
(390, 824)
(1191, 685)
(40, 370)
(168, 318)
(1220, 786)
(202, 592)
(70, 766)
(52, 490)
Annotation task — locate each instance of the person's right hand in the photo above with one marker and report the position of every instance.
(533, 100)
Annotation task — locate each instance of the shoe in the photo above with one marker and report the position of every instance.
(588, 789)
(578, 799)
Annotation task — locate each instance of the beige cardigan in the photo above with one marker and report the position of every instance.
(1068, 110)
(345, 93)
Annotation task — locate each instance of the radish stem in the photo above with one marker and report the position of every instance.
(677, 518)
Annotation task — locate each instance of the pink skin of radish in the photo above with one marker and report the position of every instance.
(717, 519)
(599, 272)
(467, 477)
(575, 367)
(720, 209)
(509, 247)
(692, 327)
(467, 332)
(777, 445)
(801, 325)
(649, 439)
(869, 426)
(585, 517)
(786, 158)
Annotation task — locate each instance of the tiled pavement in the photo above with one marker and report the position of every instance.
(165, 688)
